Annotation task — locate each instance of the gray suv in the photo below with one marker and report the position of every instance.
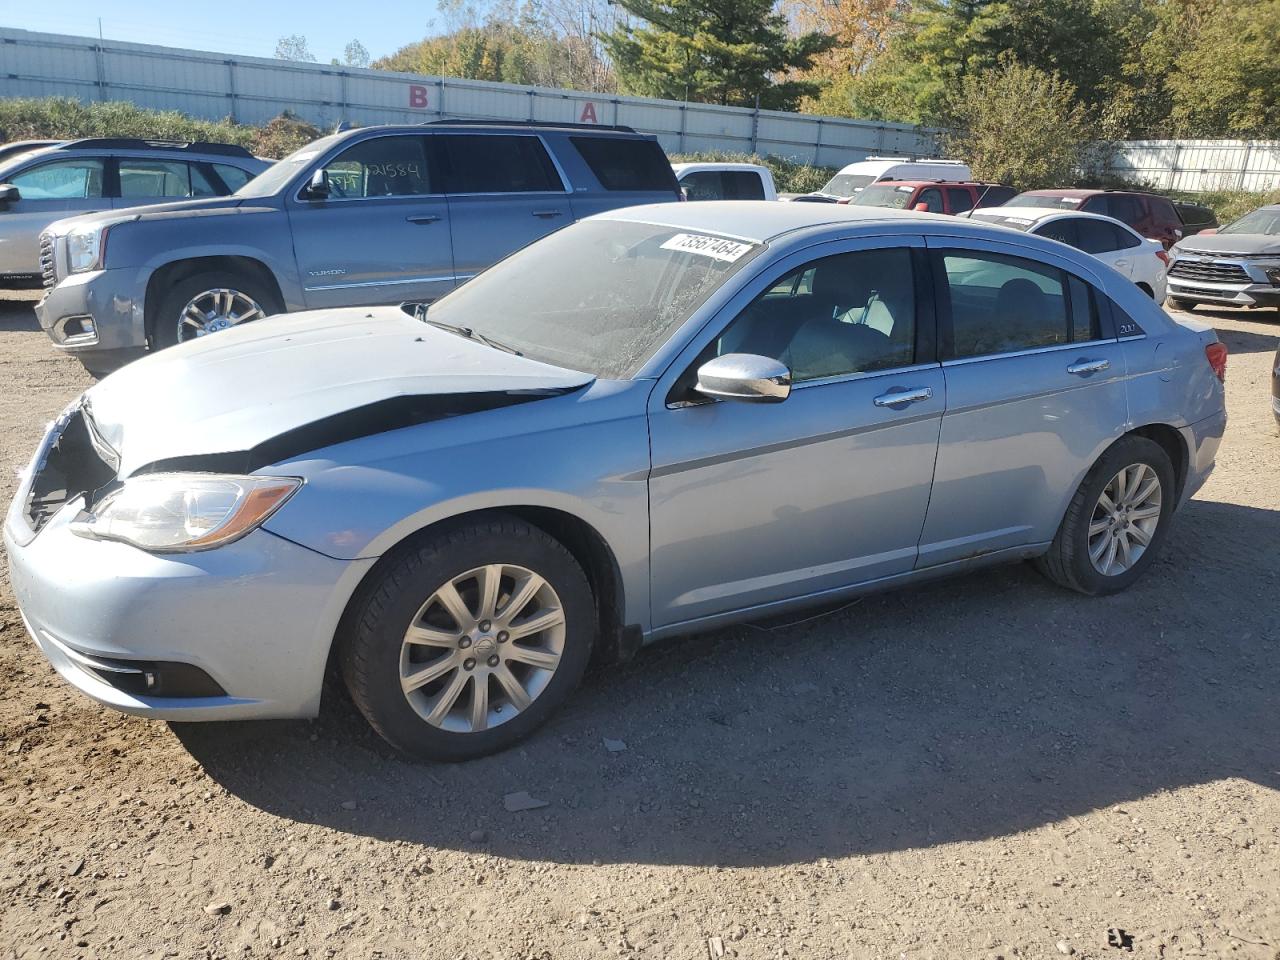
(376, 215)
(46, 180)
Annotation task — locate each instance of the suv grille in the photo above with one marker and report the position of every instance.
(48, 261)
(1209, 271)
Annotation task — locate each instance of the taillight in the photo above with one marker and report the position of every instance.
(1216, 354)
(1164, 257)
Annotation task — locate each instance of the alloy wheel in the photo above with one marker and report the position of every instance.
(482, 648)
(215, 310)
(1124, 519)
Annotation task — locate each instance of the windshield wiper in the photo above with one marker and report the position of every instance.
(471, 334)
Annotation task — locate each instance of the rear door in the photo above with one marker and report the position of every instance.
(504, 192)
(382, 234)
(1035, 385)
(48, 190)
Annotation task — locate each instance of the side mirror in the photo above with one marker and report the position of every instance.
(9, 194)
(744, 376)
(318, 187)
(921, 208)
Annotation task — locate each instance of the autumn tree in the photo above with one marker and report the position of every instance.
(294, 47)
(735, 52)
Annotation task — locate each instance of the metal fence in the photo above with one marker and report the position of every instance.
(254, 89)
(1200, 165)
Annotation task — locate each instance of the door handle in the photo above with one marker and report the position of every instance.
(1122, 263)
(422, 219)
(1082, 368)
(548, 214)
(900, 398)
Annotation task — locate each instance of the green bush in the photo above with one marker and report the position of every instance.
(789, 176)
(63, 118)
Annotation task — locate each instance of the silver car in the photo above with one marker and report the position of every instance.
(653, 422)
(43, 181)
(1237, 266)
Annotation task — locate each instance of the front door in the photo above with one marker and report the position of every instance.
(382, 235)
(1035, 392)
(504, 193)
(47, 191)
(756, 503)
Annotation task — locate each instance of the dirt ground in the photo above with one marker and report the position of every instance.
(983, 767)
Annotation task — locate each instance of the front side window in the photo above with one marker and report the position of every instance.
(61, 180)
(932, 200)
(850, 313)
(1000, 304)
(145, 179)
(702, 185)
(1064, 231)
(599, 296)
(381, 167)
(476, 163)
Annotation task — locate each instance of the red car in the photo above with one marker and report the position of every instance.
(932, 196)
(1150, 215)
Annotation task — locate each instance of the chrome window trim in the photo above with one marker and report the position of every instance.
(566, 186)
(1056, 348)
(1130, 339)
(863, 375)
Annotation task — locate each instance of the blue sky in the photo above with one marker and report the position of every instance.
(245, 27)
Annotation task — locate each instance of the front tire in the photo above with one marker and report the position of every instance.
(468, 640)
(1178, 303)
(1117, 521)
(208, 303)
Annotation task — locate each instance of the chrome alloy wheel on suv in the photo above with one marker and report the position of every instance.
(211, 311)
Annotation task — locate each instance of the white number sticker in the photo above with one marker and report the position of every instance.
(715, 247)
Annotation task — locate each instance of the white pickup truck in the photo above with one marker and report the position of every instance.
(725, 181)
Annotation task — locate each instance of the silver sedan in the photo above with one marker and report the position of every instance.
(650, 423)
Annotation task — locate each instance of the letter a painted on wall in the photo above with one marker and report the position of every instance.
(588, 113)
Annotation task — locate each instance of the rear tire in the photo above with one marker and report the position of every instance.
(1178, 303)
(1092, 534)
(438, 663)
(242, 293)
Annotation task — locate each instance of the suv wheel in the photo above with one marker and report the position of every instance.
(1178, 303)
(469, 640)
(209, 303)
(1116, 522)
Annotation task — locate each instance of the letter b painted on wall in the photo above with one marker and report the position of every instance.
(417, 95)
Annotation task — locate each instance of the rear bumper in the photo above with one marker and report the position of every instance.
(1203, 440)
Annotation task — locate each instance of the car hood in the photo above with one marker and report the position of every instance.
(1230, 243)
(317, 378)
(204, 207)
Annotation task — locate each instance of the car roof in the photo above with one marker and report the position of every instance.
(1041, 213)
(761, 221)
(932, 182)
(696, 165)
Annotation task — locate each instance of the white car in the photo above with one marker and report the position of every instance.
(850, 180)
(1141, 260)
(725, 181)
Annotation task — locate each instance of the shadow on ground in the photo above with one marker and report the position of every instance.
(968, 709)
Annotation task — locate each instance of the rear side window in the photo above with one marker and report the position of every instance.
(960, 199)
(141, 178)
(1163, 213)
(233, 177)
(995, 196)
(1096, 236)
(999, 304)
(626, 164)
(497, 163)
(742, 185)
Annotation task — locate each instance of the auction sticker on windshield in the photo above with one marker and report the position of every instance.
(715, 247)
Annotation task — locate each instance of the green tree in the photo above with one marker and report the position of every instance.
(717, 51)
(294, 47)
(1019, 125)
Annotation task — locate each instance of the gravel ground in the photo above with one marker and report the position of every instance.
(984, 767)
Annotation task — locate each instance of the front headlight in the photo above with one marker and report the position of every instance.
(86, 248)
(179, 512)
